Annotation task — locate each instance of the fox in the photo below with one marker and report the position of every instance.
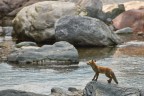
(104, 70)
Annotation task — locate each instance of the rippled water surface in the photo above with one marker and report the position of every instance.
(127, 63)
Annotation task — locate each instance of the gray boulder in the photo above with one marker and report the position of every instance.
(38, 22)
(11, 92)
(58, 53)
(84, 31)
(104, 89)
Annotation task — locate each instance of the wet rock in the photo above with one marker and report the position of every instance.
(19, 45)
(84, 31)
(124, 31)
(17, 93)
(58, 53)
(60, 92)
(103, 89)
(131, 18)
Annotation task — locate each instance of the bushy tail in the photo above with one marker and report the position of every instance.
(114, 77)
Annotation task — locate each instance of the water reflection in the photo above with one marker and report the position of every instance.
(131, 37)
(59, 68)
(130, 51)
(126, 62)
(95, 53)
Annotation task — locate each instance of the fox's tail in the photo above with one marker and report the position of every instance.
(114, 77)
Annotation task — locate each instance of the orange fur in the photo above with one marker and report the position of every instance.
(104, 70)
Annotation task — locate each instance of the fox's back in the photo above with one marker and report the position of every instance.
(104, 70)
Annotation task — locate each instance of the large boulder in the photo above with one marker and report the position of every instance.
(103, 89)
(84, 31)
(58, 53)
(38, 22)
(9, 8)
(131, 18)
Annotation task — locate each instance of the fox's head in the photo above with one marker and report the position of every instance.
(91, 62)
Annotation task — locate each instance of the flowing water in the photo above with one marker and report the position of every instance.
(128, 65)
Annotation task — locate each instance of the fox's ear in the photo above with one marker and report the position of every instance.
(93, 60)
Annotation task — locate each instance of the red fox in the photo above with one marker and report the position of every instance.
(104, 70)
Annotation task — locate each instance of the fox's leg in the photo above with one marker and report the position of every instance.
(97, 74)
(94, 77)
(110, 77)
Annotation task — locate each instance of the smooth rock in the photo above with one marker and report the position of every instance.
(58, 53)
(85, 31)
(94, 88)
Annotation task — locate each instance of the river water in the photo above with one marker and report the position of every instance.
(127, 64)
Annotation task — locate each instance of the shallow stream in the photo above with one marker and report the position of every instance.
(128, 65)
